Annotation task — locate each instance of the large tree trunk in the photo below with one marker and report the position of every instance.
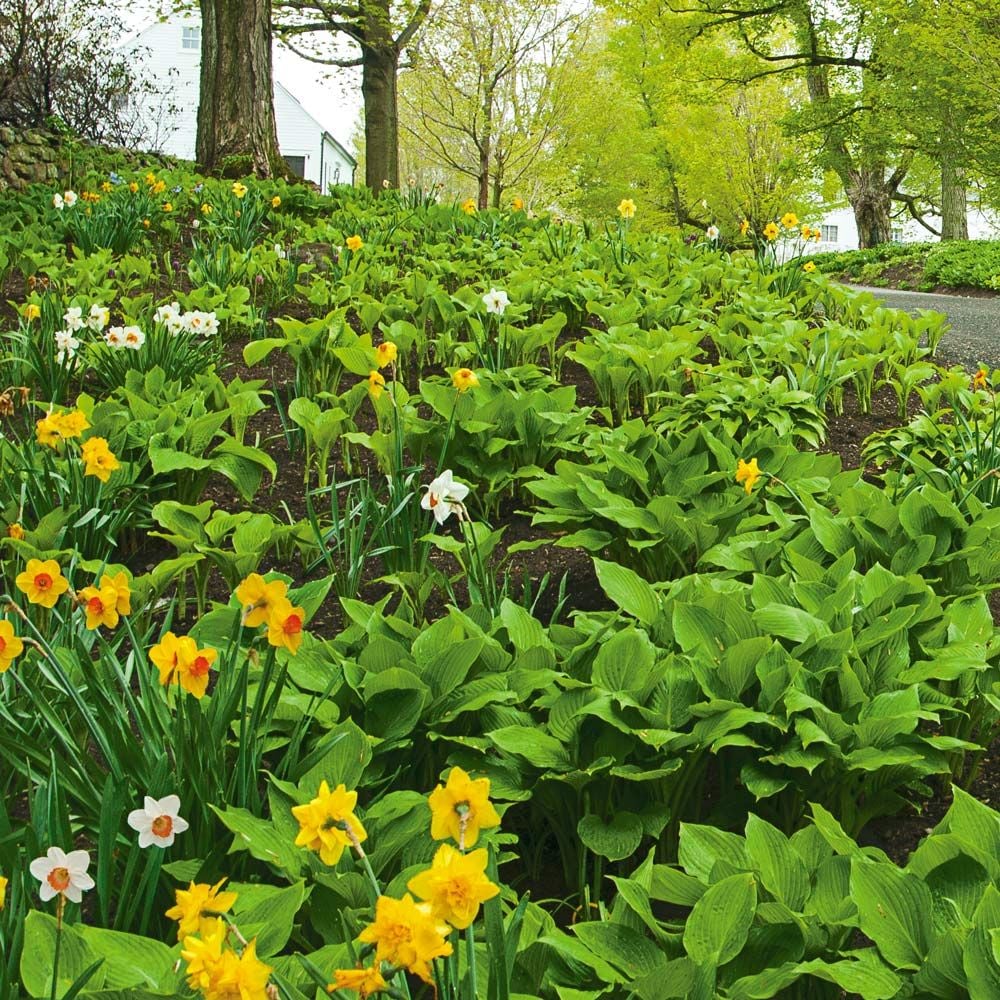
(954, 205)
(871, 198)
(236, 129)
(380, 64)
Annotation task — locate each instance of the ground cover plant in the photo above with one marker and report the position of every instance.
(406, 600)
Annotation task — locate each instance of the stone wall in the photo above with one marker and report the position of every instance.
(35, 156)
(29, 156)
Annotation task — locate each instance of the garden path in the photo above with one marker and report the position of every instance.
(975, 334)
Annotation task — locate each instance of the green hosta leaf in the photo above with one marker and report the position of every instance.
(261, 839)
(629, 591)
(535, 746)
(274, 909)
(894, 910)
(615, 840)
(75, 957)
(781, 872)
(620, 946)
(130, 960)
(702, 848)
(719, 924)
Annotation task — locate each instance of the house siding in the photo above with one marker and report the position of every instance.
(981, 227)
(172, 120)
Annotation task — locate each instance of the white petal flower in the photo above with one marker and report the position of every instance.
(99, 317)
(62, 874)
(66, 345)
(69, 197)
(57, 201)
(167, 314)
(115, 337)
(211, 324)
(712, 232)
(444, 496)
(157, 823)
(133, 337)
(73, 318)
(496, 301)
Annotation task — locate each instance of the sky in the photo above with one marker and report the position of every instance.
(331, 95)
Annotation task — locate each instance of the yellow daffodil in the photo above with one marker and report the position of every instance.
(455, 885)
(101, 606)
(133, 187)
(206, 209)
(98, 459)
(284, 626)
(11, 646)
(42, 582)
(32, 311)
(461, 808)
(15, 531)
(324, 823)
(354, 243)
(197, 908)
(747, 473)
(3, 892)
(376, 384)
(517, 204)
(790, 220)
(123, 592)
(771, 231)
(744, 227)
(258, 598)
(386, 354)
(276, 202)
(239, 189)
(809, 266)
(626, 208)
(464, 378)
(180, 661)
(167, 207)
(469, 206)
(159, 187)
(406, 935)
(979, 380)
(364, 982)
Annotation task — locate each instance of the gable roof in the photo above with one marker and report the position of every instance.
(325, 132)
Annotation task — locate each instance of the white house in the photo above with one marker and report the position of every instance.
(840, 231)
(169, 54)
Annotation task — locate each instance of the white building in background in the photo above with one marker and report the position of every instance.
(840, 232)
(169, 54)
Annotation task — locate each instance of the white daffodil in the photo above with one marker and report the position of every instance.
(157, 822)
(69, 198)
(62, 874)
(210, 324)
(444, 497)
(99, 317)
(169, 316)
(115, 337)
(496, 301)
(280, 251)
(134, 337)
(712, 232)
(66, 345)
(57, 201)
(73, 318)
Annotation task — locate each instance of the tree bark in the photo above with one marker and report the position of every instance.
(870, 199)
(236, 128)
(954, 204)
(378, 84)
(485, 151)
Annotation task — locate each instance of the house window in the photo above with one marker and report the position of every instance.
(191, 38)
(897, 234)
(297, 165)
(829, 234)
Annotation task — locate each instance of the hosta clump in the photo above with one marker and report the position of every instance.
(734, 402)
(806, 917)
(658, 502)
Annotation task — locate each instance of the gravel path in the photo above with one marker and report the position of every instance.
(974, 337)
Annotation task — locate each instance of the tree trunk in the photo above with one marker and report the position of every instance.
(380, 64)
(485, 150)
(236, 128)
(870, 198)
(954, 206)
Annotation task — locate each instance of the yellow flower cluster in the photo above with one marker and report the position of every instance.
(327, 824)
(55, 428)
(407, 934)
(104, 602)
(267, 603)
(181, 662)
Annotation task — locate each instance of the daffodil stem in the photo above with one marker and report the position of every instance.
(470, 950)
(791, 493)
(366, 864)
(60, 907)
